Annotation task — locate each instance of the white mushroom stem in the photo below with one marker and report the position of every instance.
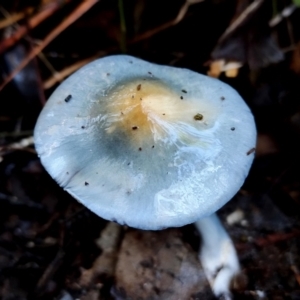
(217, 255)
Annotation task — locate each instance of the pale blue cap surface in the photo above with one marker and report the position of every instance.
(146, 145)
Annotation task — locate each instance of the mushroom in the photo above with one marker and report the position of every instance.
(151, 147)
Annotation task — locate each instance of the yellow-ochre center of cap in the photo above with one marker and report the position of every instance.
(147, 111)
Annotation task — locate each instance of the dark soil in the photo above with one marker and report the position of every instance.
(47, 239)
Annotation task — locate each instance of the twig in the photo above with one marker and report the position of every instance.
(48, 65)
(19, 201)
(285, 13)
(59, 76)
(182, 12)
(13, 18)
(69, 70)
(23, 144)
(268, 240)
(50, 271)
(5, 134)
(290, 32)
(276, 237)
(49, 223)
(76, 14)
(241, 18)
(46, 12)
(296, 272)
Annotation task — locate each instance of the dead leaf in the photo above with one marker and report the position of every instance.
(105, 264)
(158, 265)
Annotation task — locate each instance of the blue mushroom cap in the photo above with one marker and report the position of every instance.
(146, 145)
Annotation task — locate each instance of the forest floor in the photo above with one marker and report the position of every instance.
(51, 247)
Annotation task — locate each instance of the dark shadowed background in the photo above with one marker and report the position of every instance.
(51, 247)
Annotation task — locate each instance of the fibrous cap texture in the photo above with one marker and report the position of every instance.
(146, 145)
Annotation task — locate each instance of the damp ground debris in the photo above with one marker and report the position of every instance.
(51, 247)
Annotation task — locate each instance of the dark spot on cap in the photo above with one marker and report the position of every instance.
(134, 127)
(179, 258)
(67, 173)
(86, 183)
(184, 91)
(132, 96)
(107, 74)
(148, 264)
(138, 88)
(128, 164)
(141, 99)
(222, 98)
(232, 128)
(140, 149)
(181, 97)
(82, 127)
(152, 146)
(198, 117)
(68, 98)
(130, 62)
(251, 151)
(150, 73)
(164, 114)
